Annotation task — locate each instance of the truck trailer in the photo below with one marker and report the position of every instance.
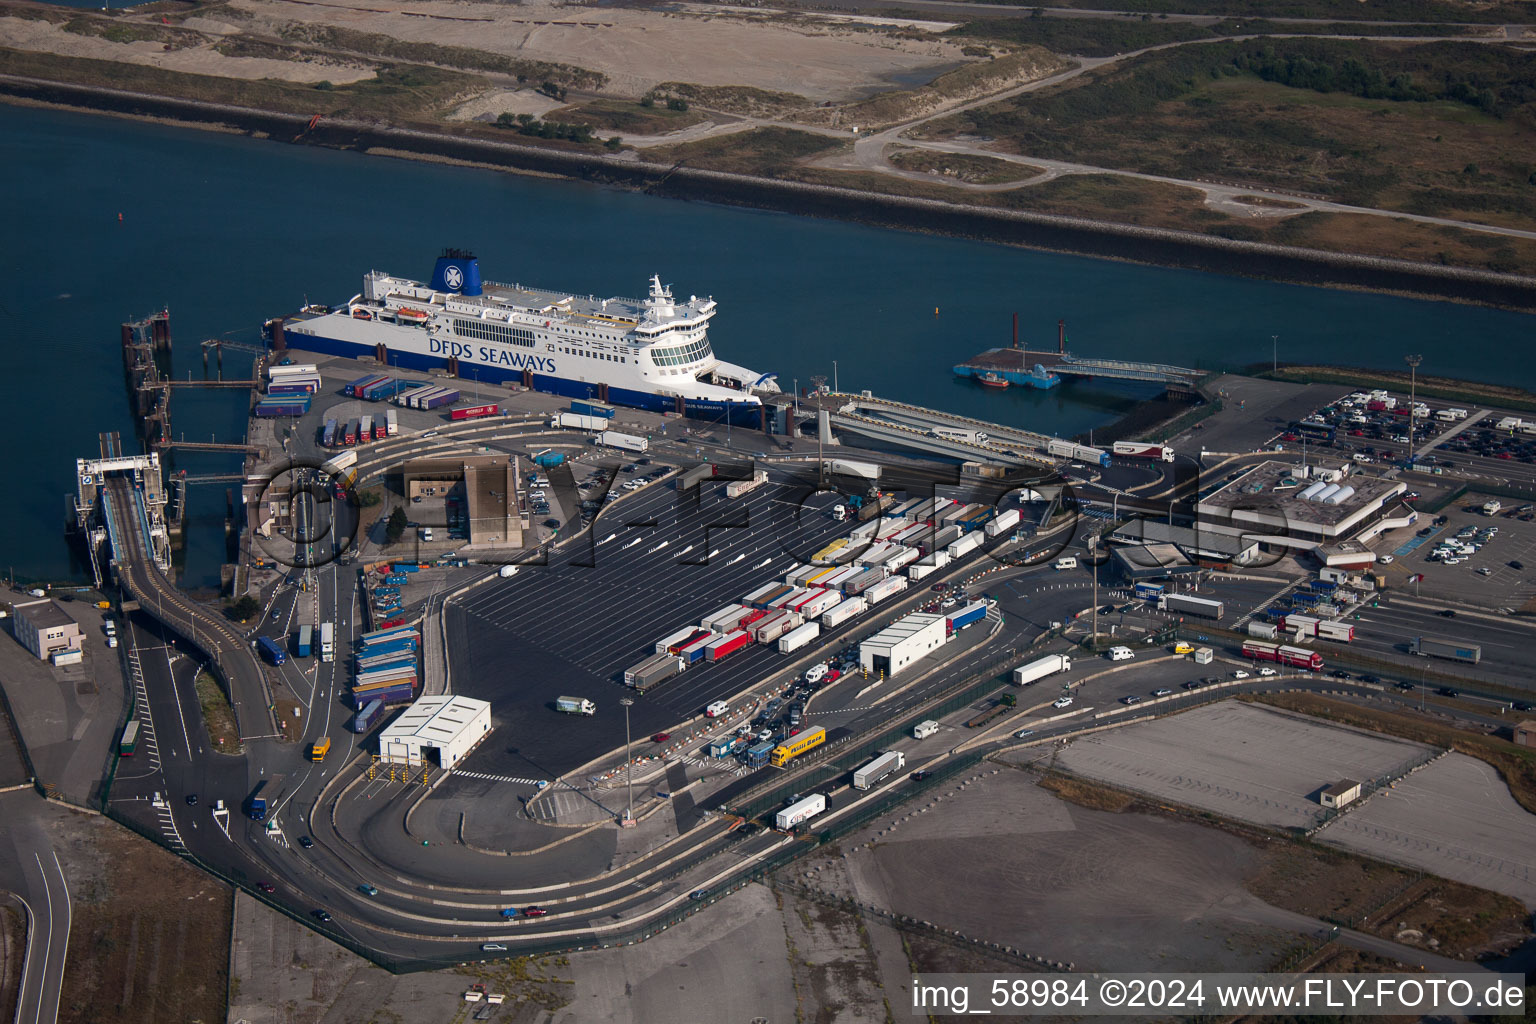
(575, 706)
(1040, 668)
(368, 716)
(799, 812)
(1454, 650)
(882, 766)
(799, 637)
(1203, 607)
(305, 640)
(1143, 450)
(653, 671)
(625, 442)
(577, 421)
(1001, 523)
(965, 615)
(736, 488)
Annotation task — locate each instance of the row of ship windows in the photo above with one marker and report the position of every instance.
(677, 356)
(493, 332)
(593, 355)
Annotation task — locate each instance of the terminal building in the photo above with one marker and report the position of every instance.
(44, 628)
(436, 731)
(902, 642)
(482, 489)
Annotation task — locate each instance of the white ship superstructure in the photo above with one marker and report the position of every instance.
(651, 353)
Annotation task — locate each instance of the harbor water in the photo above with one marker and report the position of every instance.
(225, 231)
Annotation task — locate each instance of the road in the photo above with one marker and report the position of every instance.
(210, 632)
(37, 880)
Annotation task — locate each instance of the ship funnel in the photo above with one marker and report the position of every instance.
(457, 271)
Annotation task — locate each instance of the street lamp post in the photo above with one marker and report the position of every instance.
(1413, 381)
(629, 797)
(1274, 353)
(834, 375)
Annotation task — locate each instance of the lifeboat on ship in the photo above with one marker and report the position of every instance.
(412, 315)
(359, 313)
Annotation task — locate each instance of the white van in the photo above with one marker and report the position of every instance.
(922, 730)
(1121, 654)
(1069, 562)
(426, 533)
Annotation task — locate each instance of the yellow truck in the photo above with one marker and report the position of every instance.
(322, 747)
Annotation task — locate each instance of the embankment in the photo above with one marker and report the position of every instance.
(1156, 246)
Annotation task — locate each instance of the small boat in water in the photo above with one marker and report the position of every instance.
(992, 380)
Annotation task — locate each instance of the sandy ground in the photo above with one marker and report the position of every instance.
(1240, 760)
(639, 49)
(1002, 860)
(490, 105)
(23, 34)
(1454, 818)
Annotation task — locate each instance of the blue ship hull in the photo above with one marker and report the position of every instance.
(740, 413)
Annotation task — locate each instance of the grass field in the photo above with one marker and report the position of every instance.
(769, 151)
(976, 170)
(628, 116)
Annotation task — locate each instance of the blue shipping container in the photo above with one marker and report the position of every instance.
(587, 408)
(399, 645)
(393, 695)
(392, 633)
(395, 577)
(405, 567)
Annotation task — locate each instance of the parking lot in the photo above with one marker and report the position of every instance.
(1453, 818)
(658, 561)
(1504, 543)
(1239, 760)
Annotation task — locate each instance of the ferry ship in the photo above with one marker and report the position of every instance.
(650, 353)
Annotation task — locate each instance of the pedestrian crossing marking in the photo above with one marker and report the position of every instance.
(497, 778)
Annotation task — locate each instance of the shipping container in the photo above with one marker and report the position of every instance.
(438, 399)
(475, 412)
(590, 408)
(291, 370)
(800, 811)
(385, 388)
(844, 610)
(694, 652)
(379, 678)
(306, 638)
(408, 398)
(799, 637)
(389, 697)
(357, 385)
(295, 386)
(382, 635)
(1004, 521)
(1263, 630)
(878, 769)
(727, 644)
(695, 475)
(270, 408)
(658, 668)
(1040, 668)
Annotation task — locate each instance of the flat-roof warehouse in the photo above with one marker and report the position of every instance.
(449, 726)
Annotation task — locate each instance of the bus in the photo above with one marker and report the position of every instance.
(1284, 654)
(328, 437)
(130, 739)
(1315, 429)
(797, 745)
(274, 651)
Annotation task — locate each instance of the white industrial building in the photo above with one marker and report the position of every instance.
(902, 642)
(448, 727)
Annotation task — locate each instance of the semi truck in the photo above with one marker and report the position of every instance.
(1296, 657)
(736, 488)
(847, 467)
(960, 434)
(575, 706)
(882, 766)
(256, 803)
(577, 421)
(1077, 452)
(475, 412)
(327, 641)
(1004, 521)
(796, 745)
(888, 587)
(848, 608)
(1040, 668)
(1454, 650)
(1143, 450)
(1204, 607)
(370, 714)
(625, 442)
(965, 615)
(656, 669)
(799, 637)
(800, 812)
(273, 651)
(727, 644)
(305, 640)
